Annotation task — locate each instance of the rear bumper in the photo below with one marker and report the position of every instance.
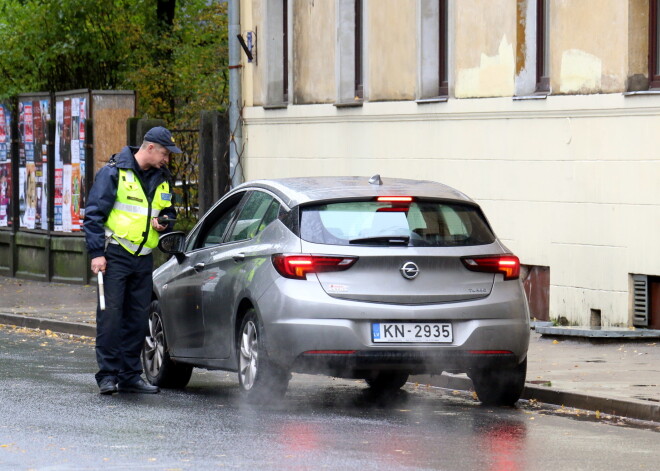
(358, 364)
(309, 320)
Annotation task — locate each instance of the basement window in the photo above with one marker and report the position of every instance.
(645, 300)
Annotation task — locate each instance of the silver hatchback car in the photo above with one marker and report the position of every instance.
(352, 277)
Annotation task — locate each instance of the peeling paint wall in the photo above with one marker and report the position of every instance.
(589, 46)
(314, 37)
(391, 49)
(485, 48)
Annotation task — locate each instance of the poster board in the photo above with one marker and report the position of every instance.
(33, 115)
(71, 111)
(6, 209)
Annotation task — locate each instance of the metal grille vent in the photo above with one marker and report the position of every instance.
(640, 300)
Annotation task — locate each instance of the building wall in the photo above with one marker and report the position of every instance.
(590, 50)
(391, 58)
(314, 54)
(485, 56)
(568, 181)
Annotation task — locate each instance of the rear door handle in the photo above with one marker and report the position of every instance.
(239, 257)
(199, 267)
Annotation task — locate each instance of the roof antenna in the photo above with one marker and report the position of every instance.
(375, 180)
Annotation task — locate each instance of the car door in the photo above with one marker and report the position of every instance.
(232, 270)
(182, 299)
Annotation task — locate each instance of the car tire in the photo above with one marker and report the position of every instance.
(499, 386)
(387, 380)
(259, 378)
(159, 368)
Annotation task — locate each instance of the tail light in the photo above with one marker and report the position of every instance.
(508, 265)
(394, 199)
(298, 266)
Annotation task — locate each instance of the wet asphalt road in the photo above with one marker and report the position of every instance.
(52, 418)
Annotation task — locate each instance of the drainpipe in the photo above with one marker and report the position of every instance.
(235, 95)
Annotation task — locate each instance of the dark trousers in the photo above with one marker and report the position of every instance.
(122, 327)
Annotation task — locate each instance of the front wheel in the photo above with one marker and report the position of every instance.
(499, 386)
(258, 377)
(159, 368)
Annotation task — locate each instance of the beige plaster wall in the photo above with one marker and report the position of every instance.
(569, 182)
(485, 50)
(589, 46)
(314, 39)
(390, 32)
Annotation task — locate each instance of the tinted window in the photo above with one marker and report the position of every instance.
(257, 213)
(420, 223)
(215, 225)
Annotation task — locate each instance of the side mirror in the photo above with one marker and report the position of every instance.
(173, 243)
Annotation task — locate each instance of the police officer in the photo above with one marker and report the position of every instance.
(121, 229)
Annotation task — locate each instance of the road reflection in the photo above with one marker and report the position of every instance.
(504, 442)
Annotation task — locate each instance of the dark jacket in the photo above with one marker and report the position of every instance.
(102, 196)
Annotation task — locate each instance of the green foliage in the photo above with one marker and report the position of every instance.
(177, 69)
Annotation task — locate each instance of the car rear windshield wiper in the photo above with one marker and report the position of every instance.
(382, 240)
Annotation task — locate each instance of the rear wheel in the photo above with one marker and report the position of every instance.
(159, 368)
(387, 380)
(499, 386)
(258, 377)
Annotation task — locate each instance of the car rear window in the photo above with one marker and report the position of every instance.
(417, 223)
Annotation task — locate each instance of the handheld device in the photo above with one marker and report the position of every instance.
(166, 220)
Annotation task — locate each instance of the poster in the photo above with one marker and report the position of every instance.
(5, 167)
(69, 188)
(33, 116)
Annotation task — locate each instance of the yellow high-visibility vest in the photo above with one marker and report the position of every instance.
(129, 222)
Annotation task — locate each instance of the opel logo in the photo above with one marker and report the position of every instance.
(409, 270)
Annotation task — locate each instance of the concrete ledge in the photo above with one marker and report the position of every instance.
(73, 328)
(599, 332)
(626, 408)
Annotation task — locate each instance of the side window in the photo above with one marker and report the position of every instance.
(270, 216)
(254, 216)
(215, 224)
(217, 230)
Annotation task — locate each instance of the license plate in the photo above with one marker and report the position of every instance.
(408, 332)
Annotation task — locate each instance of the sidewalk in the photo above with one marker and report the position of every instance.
(612, 375)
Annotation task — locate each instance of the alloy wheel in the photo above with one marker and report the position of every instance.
(249, 355)
(154, 347)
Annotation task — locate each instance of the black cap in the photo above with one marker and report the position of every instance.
(160, 135)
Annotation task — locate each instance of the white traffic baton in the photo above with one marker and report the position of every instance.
(101, 293)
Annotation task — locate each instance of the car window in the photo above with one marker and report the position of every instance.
(423, 223)
(259, 210)
(215, 224)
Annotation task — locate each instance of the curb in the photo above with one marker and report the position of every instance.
(73, 328)
(620, 407)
